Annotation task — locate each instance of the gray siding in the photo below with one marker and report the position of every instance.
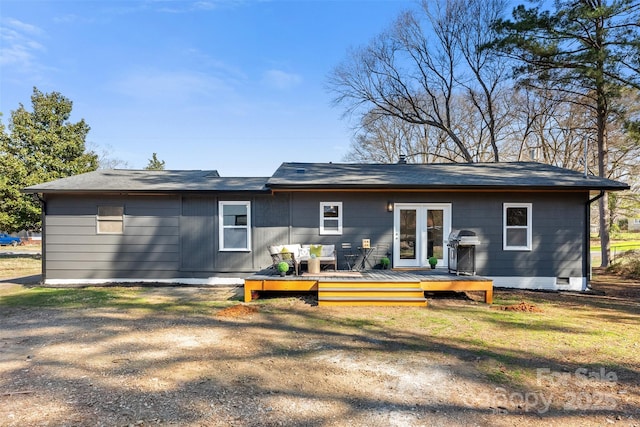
(271, 219)
(558, 233)
(149, 246)
(198, 234)
(364, 217)
(164, 237)
(558, 226)
(177, 237)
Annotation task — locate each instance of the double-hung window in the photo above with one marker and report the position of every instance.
(330, 217)
(110, 220)
(235, 226)
(517, 227)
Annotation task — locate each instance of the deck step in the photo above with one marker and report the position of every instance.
(346, 294)
(384, 298)
(370, 289)
(368, 302)
(370, 294)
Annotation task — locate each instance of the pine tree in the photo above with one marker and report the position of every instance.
(588, 49)
(42, 145)
(155, 164)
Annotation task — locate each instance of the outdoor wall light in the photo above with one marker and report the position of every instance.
(389, 206)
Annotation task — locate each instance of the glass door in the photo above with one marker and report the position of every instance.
(435, 235)
(408, 236)
(420, 230)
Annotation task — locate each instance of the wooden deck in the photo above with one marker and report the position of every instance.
(370, 287)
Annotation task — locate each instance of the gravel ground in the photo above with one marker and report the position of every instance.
(264, 364)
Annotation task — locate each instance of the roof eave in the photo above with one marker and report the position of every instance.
(351, 187)
(129, 191)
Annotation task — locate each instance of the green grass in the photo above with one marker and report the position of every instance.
(620, 236)
(61, 298)
(619, 246)
(620, 241)
(505, 347)
(106, 297)
(20, 266)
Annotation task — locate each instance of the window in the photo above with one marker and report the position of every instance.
(235, 226)
(517, 227)
(110, 220)
(330, 217)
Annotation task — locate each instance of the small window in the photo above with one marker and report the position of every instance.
(235, 226)
(330, 217)
(517, 227)
(110, 220)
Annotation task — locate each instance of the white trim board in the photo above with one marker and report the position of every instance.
(539, 283)
(209, 281)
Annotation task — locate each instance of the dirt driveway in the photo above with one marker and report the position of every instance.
(281, 362)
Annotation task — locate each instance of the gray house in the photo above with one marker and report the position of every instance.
(530, 220)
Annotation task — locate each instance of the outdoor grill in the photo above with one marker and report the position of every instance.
(462, 252)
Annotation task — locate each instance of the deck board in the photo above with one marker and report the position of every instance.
(390, 281)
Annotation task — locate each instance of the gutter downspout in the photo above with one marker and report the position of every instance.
(588, 236)
(43, 243)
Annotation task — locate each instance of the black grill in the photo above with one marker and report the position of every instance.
(462, 252)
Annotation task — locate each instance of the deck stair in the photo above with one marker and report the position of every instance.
(375, 287)
(351, 293)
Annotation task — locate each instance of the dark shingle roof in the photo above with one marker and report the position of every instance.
(520, 175)
(126, 180)
(529, 175)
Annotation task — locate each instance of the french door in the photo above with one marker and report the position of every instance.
(420, 231)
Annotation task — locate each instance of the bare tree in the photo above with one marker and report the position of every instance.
(553, 127)
(105, 158)
(421, 69)
(587, 49)
(550, 129)
(624, 154)
(487, 71)
(383, 138)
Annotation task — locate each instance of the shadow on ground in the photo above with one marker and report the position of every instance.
(290, 362)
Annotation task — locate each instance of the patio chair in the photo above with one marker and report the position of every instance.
(382, 251)
(350, 256)
(279, 254)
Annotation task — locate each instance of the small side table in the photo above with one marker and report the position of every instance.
(314, 266)
(366, 253)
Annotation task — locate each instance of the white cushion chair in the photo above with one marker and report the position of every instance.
(296, 254)
(326, 254)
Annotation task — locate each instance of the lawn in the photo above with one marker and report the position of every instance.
(26, 264)
(618, 246)
(197, 356)
(620, 241)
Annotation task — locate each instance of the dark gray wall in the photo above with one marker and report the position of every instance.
(364, 217)
(558, 233)
(149, 247)
(165, 237)
(198, 233)
(177, 236)
(558, 226)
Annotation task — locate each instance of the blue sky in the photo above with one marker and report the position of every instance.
(237, 86)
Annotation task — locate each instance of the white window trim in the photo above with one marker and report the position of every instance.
(109, 218)
(323, 231)
(222, 227)
(528, 227)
